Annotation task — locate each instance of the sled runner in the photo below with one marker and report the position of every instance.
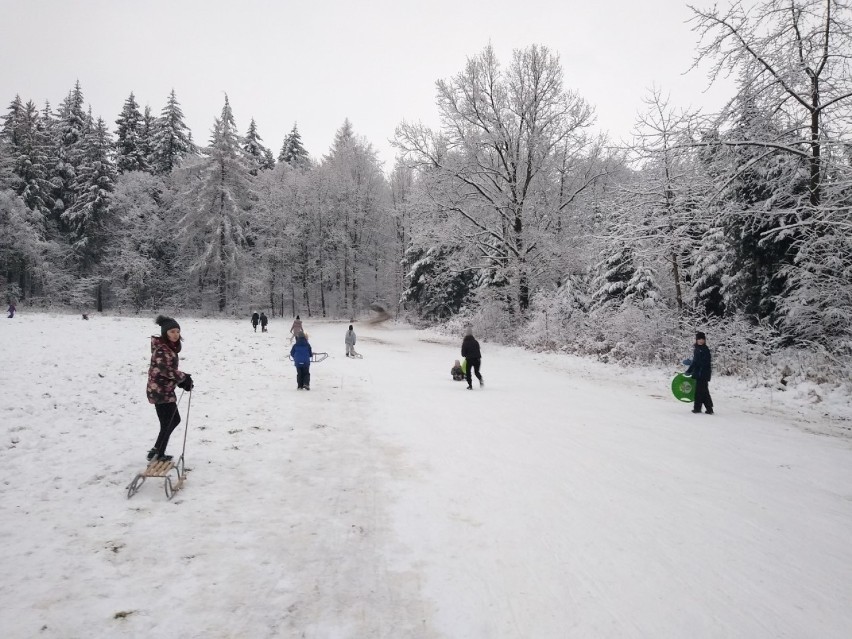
(683, 388)
(316, 357)
(173, 474)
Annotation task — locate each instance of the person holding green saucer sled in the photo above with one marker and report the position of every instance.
(700, 369)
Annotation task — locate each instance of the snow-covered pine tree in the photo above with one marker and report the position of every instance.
(614, 273)
(95, 181)
(129, 152)
(358, 197)
(255, 152)
(9, 139)
(69, 132)
(435, 286)
(760, 193)
(643, 290)
(268, 159)
(30, 164)
(172, 140)
(140, 256)
(293, 152)
(147, 130)
(214, 233)
(12, 122)
(21, 249)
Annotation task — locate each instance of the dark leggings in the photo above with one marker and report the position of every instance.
(169, 419)
(473, 365)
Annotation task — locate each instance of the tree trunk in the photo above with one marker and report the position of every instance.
(815, 161)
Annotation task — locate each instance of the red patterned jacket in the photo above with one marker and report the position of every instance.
(163, 373)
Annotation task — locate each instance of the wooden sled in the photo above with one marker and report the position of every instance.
(173, 474)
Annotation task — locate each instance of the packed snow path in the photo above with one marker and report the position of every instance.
(566, 499)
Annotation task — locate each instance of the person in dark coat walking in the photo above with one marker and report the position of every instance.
(11, 310)
(255, 318)
(163, 376)
(470, 351)
(301, 353)
(264, 320)
(700, 370)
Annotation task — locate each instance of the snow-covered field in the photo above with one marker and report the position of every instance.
(566, 499)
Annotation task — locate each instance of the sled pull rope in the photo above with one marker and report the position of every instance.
(186, 426)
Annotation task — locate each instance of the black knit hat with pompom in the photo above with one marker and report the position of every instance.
(166, 324)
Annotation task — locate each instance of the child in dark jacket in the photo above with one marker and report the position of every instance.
(700, 370)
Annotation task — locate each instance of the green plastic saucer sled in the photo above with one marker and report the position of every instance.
(683, 388)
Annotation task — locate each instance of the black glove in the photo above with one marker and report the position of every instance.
(186, 384)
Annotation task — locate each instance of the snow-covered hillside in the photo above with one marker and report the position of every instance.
(565, 499)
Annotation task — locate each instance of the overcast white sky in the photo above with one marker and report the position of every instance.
(317, 62)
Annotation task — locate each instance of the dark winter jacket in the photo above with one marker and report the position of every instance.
(301, 352)
(163, 373)
(470, 348)
(263, 319)
(255, 318)
(700, 367)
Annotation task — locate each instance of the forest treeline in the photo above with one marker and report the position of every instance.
(514, 215)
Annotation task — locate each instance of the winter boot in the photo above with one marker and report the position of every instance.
(152, 453)
(164, 458)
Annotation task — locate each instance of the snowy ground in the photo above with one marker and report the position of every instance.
(566, 499)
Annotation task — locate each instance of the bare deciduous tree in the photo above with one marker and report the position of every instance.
(500, 131)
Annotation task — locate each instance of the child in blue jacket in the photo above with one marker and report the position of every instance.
(302, 354)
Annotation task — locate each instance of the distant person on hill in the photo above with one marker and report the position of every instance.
(350, 342)
(11, 310)
(263, 322)
(163, 376)
(296, 328)
(700, 370)
(470, 351)
(301, 353)
(255, 318)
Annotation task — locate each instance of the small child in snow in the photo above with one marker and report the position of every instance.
(350, 343)
(457, 372)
